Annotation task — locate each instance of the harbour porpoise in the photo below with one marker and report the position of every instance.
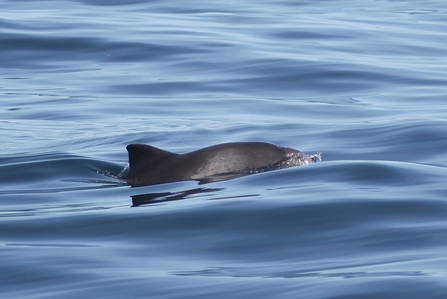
(150, 165)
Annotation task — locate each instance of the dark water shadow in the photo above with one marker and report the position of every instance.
(159, 197)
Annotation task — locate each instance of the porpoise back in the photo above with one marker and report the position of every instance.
(150, 165)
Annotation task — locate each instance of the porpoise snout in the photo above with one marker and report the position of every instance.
(297, 158)
(291, 152)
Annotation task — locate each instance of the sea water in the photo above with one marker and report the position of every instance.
(362, 82)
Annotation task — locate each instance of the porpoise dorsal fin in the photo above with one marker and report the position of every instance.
(142, 153)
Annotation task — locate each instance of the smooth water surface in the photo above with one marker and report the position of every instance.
(365, 83)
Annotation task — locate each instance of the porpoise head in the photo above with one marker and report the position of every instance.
(294, 158)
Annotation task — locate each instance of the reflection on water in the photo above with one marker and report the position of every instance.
(154, 198)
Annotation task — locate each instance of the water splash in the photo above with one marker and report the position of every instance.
(298, 159)
(314, 158)
(124, 172)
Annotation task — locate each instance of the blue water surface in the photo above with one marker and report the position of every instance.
(364, 82)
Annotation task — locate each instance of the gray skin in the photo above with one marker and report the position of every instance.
(150, 165)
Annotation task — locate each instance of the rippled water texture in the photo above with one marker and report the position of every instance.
(364, 83)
